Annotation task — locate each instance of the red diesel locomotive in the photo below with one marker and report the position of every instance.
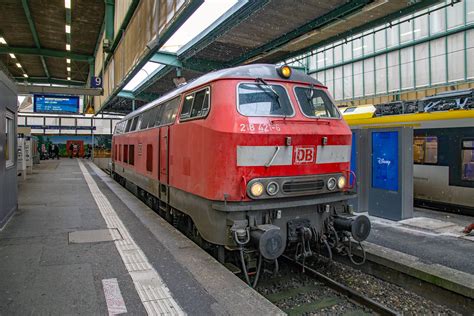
(254, 158)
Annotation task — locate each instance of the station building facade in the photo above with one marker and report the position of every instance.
(421, 54)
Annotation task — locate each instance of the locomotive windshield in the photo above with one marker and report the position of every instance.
(256, 99)
(316, 103)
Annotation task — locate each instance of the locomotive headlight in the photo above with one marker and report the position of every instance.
(257, 189)
(284, 71)
(332, 184)
(272, 188)
(341, 182)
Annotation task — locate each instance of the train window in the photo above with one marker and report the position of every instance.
(151, 117)
(115, 151)
(9, 140)
(467, 160)
(263, 100)
(131, 156)
(169, 112)
(129, 123)
(196, 104)
(159, 115)
(316, 103)
(149, 157)
(117, 128)
(134, 124)
(188, 103)
(148, 118)
(125, 153)
(425, 150)
(139, 122)
(120, 153)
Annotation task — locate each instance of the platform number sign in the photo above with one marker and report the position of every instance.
(96, 82)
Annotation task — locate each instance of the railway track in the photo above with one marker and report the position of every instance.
(305, 291)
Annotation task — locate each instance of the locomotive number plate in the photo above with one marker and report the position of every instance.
(259, 128)
(304, 155)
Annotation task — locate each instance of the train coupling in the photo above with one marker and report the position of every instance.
(359, 227)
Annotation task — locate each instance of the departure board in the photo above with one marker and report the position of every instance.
(56, 103)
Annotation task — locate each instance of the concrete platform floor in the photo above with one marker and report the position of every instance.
(432, 236)
(81, 244)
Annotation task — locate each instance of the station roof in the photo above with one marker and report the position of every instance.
(33, 39)
(33, 35)
(267, 31)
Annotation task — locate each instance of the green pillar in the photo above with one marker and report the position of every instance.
(109, 20)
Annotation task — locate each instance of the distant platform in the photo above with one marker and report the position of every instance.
(82, 244)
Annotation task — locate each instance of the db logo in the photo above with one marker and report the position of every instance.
(304, 155)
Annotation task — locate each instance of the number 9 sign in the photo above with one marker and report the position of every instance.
(96, 82)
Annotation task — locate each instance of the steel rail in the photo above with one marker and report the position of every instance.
(341, 288)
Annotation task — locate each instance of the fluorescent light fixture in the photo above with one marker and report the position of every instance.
(18, 65)
(12, 55)
(68, 28)
(209, 12)
(25, 75)
(3, 41)
(68, 78)
(68, 60)
(68, 46)
(68, 68)
(67, 4)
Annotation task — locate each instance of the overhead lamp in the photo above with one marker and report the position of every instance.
(68, 60)
(68, 78)
(67, 4)
(25, 75)
(68, 28)
(3, 41)
(68, 68)
(68, 46)
(12, 55)
(18, 65)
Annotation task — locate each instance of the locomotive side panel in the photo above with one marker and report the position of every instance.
(136, 158)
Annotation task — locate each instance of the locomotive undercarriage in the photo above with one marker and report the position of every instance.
(250, 241)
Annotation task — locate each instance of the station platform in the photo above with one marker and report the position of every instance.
(82, 244)
(432, 236)
(429, 254)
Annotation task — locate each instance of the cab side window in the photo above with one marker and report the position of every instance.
(196, 104)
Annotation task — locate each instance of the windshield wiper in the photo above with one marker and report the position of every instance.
(275, 94)
(309, 97)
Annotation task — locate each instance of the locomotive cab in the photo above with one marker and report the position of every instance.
(293, 157)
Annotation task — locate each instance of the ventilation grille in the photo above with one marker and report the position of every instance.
(297, 186)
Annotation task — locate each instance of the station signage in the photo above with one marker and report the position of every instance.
(96, 82)
(45, 103)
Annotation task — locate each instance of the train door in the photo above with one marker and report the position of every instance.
(164, 163)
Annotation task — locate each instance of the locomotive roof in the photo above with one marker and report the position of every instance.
(264, 71)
